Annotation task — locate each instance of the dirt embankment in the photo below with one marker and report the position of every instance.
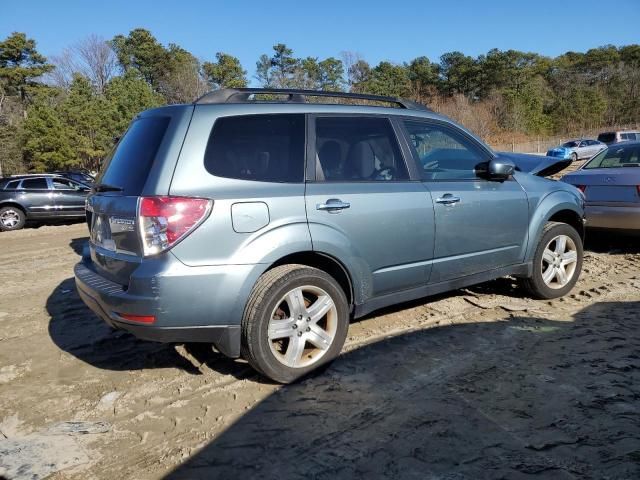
(479, 383)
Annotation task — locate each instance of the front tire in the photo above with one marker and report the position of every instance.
(574, 157)
(11, 218)
(557, 262)
(295, 321)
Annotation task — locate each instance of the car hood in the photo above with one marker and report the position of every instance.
(539, 165)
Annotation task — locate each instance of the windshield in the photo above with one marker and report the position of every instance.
(616, 156)
(570, 144)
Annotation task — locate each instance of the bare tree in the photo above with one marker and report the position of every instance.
(96, 60)
(65, 66)
(355, 67)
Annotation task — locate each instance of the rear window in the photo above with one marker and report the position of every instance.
(266, 148)
(35, 184)
(130, 162)
(607, 137)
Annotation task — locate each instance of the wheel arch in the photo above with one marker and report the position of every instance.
(559, 206)
(10, 203)
(324, 262)
(570, 217)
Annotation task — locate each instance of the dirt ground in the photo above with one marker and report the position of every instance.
(478, 383)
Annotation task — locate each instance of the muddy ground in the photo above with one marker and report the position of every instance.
(478, 383)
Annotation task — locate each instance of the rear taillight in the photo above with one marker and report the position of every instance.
(638, 189)
(164, 221)
(582, 188)
(138, 318)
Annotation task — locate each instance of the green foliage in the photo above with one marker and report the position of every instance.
(283, 70)
(78, 128)
(459, 73)
(225, 72)
(141, 52)
(47, 145)
(127, 96)
(11, 149)
(20, 64)
(387, 79)
(424, 77)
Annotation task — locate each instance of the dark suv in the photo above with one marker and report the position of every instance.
(44, 197)
(263, 227)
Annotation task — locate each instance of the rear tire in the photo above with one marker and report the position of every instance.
(295, 321)
(557, 262)
(11, 218)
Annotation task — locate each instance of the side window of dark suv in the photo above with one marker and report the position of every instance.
(266, 148)
(35, 184)
(444, 154)
(357, 149)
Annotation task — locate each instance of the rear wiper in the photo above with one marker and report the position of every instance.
(631, 164)
(103, 187)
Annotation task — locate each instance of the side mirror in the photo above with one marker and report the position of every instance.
(500, 170)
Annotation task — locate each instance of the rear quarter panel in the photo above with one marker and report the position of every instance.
(216, 241)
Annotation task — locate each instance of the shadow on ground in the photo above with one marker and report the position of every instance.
(74, 328)
(47, 222)
(78, 244)
(518, 399)
(612, 242)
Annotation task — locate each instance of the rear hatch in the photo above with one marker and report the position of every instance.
(142, 163)
(607, 137)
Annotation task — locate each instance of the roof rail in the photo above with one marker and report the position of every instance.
(241, 95)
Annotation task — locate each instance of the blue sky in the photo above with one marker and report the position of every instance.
(379, 30)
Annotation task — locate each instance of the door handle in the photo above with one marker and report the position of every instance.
(333, 205)
(447, 199)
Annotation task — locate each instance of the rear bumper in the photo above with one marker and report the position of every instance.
(613, 217)
(190, 304)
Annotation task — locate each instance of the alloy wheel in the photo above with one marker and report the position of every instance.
(559, 261)
(9, 218)
(302, 326)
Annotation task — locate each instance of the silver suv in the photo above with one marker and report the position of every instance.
(619, 136)
(262, 223)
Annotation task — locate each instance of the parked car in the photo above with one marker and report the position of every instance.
(619, 136)
(611, 185)
(39, 197)
(263, 227)
(577, 149)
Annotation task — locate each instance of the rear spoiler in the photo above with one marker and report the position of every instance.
(539, 165)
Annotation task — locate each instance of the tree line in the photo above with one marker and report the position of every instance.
(66, 111)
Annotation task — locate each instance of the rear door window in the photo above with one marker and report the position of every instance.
(358, 149)
(35, 184)
(129, 164)
(64, 184)
(264, 148)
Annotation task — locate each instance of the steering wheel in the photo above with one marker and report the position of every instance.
(385, 173)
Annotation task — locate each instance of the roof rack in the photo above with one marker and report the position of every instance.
(242, 95)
